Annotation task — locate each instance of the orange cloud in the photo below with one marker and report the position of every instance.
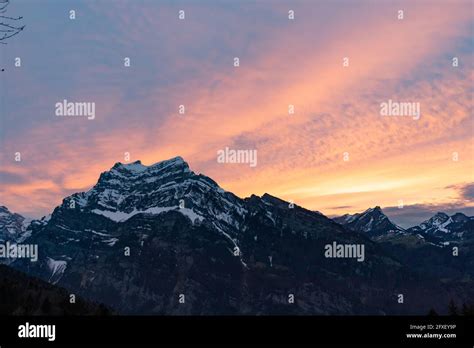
(300, 157)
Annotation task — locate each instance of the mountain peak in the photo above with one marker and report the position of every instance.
(133, 188)
(177, 161)
(4, 211)
(459, 217)
(437, 219)
(12, 225)
(375, 209)
(135, 167)
(138, 167)
(444, 226)
(269, 197)
(441, 214)
(372, 221)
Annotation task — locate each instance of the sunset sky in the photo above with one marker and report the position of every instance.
(282, 62)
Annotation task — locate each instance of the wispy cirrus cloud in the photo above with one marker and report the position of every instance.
(300, 157)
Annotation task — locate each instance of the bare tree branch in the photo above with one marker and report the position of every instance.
(8, 29)
(11, 18)
(3, 5)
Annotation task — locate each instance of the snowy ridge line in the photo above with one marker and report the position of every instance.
(119, 216)
(57, 268)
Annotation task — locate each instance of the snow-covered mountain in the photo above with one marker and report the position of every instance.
(447, 228)
(131, 189)
(427, 248)
(145, 235)
(437, 230)
(13, 226)
(372, 222)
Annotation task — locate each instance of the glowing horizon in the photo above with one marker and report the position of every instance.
(427, 163)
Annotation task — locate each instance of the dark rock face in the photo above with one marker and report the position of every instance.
(164, 240)
(441, 247)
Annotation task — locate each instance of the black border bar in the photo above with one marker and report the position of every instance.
(291, 330)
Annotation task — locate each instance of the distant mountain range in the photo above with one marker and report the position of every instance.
(456, 227)
(440, 228)
(427, 248)
(161, 239)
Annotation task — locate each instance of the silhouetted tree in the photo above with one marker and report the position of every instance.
(9, 26)
(46, 306)
(467, 309)
(102, 310)
(452, 308)
(432, 312)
